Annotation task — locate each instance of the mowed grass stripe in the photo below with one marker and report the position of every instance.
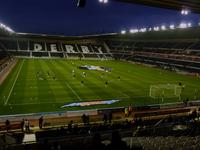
(46, 87)
(129, 89)
(135, 82)
(173, 78)
(41, 88)
(74, 84)
(134, 85)
(60, 79)
(17, 95)
(159, 76)
(31, 91)
(13, 85)
(23, 90)
(84, 91)
(63, 66)
(67, 82)
(93, 83)
(115, 84)
(126, 87)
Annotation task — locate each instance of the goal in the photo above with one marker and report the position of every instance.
(165, 91)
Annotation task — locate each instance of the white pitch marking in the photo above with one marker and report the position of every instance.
(13, 85)
(61, 102)
(126, 95)
(73, 91)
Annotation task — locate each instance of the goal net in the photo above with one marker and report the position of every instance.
(165, 91)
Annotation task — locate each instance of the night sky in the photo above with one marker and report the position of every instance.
(63, 18)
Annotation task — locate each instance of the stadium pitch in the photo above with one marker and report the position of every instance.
(45, 85)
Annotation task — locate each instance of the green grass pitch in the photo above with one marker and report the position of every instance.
(44, 85)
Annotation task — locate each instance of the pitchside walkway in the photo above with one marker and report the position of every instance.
(53, 120)
(9, 64)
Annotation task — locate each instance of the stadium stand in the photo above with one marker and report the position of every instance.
(173, 132)
(4, 57)
(55, 48)
(154, 48)
(181, 53)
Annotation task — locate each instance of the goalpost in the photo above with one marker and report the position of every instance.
(165, 91)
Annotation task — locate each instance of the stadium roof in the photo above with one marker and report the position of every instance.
(176, 34)
(59, 37)
(192, 5)
(169, 35)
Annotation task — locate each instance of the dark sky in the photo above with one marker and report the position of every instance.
(62, 17)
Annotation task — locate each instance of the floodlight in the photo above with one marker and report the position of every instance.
(156, 28)
(183, 25)
(123, 32)
(189, 24)
(163, 27)
(6, 28)
(184, 12)
(143, 30)
(134, 30)
(103, 1)
(172, 26)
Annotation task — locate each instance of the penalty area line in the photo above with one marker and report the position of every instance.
(13, 85)
(74, 92)
(126, 95)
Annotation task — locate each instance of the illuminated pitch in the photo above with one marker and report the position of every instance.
(44, 85)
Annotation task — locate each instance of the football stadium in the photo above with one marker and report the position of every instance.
(135, 89)
(49, 82)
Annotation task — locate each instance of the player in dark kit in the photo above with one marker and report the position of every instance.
(106, 83)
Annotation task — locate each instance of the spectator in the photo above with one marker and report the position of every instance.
(27, 125)
(56, 146)
(126, 112)
(87, 119)
(194, 114)
(96, 143)
(110, 117)
(117, 143)
(105, 118)
(41, 122)
(186, 101)
(22, 125)
(44, 145)
(130, 110)
(84, 119)
(7, 124)
(75, 129)
(70, 126)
